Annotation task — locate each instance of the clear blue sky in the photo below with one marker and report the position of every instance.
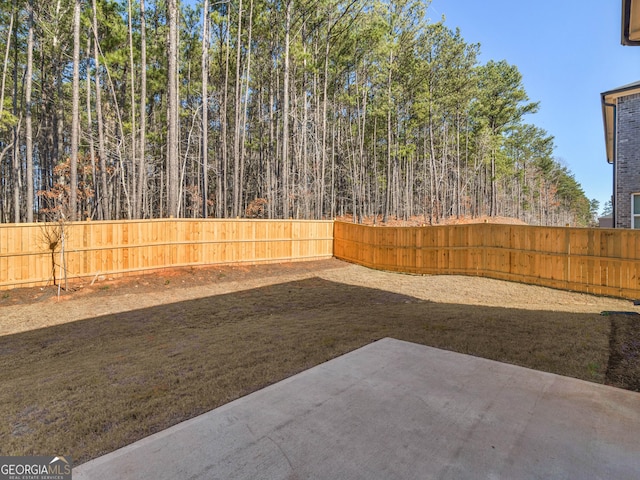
(568, 52)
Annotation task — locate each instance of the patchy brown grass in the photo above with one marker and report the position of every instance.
(88, 387)
(624, 361)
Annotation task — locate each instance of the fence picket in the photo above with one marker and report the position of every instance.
(123, 247)
(603, 262)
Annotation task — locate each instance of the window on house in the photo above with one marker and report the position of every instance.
(635, 210)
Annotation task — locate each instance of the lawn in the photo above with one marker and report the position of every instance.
(87, 387)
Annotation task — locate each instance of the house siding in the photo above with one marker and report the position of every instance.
(627, 157)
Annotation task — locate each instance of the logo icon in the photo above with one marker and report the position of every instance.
(35, 468)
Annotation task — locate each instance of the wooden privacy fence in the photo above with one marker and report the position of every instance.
(28, 253)
(598, 261)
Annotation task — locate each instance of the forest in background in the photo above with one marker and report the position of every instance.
(265, 109)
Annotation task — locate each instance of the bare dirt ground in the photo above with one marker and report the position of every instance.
(110, 363)
(30, 308)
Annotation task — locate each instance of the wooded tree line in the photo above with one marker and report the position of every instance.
(264, 108)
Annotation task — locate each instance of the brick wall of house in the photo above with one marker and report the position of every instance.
(627, 157)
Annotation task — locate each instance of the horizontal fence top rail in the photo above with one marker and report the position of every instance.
(27, 238)
(164, 220)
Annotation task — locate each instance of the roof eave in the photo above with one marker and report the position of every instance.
(608, 118)
(630, 31)
(609, 102)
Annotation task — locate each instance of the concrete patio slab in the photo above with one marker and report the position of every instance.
(396, 410)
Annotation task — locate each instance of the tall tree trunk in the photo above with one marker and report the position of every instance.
(457, 185)
(5, 68)
(6, 64)
(57, 101)
(303, 179)
(102, 154)
(435, 193)
(142, 173)
(172, 113)
(92, 150)
(132, 110)
(494, 195)
(272, 166)
(221, 204)
(236, 126)
(246, 102)
(28, 119)
(361, 155)
(205, 108)
(75, 112)
(15, 148)
(285, 114)
(387, 197)
(325, 101)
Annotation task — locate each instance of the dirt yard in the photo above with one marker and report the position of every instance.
(109, 363)
(31, 308)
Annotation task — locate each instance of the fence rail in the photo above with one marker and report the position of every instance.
(30, 257)
(598, 261)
